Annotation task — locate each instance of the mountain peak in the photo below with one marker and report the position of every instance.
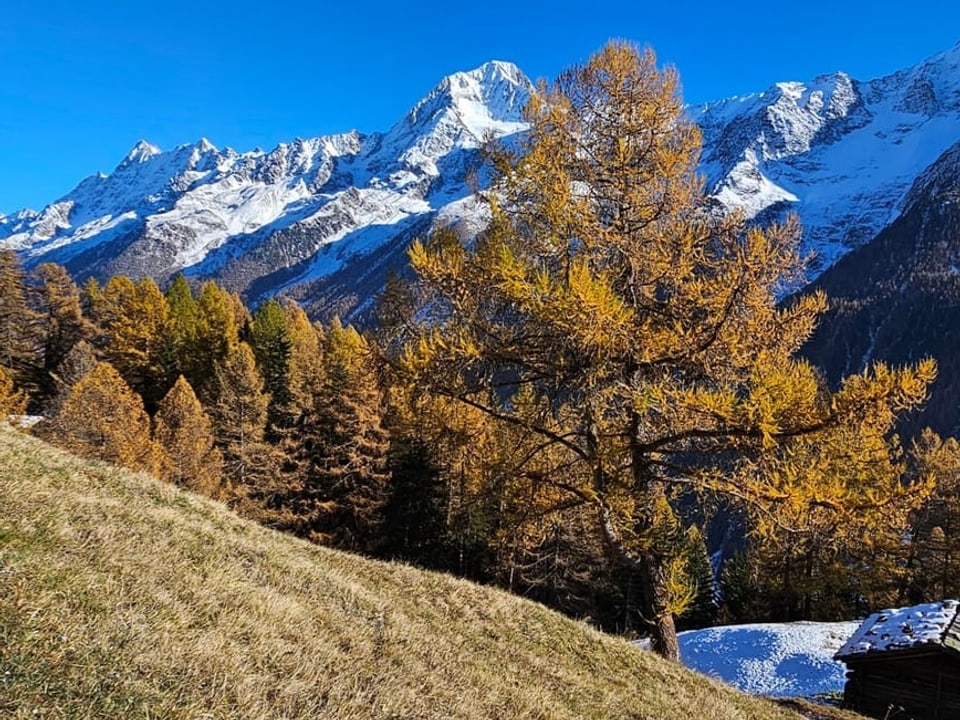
(141, 152)
(499, 71)
(493, 93)
(205, 146)
(484, 81)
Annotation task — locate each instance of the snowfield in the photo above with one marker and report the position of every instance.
(775, 659)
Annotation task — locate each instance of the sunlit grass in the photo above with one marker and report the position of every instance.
(121, 597)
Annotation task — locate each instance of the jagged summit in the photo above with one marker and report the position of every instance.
(325, 217)
(141, 152)
(464, 107)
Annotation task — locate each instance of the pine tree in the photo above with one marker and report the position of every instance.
(745, 597)
(702, 612)
(415, 528)
(103, 418)
(305, 366)
(347, 458)
(184, 432)
(57, 304)
(933, 556)
(182, 327)
(239, 415)
(271, 345)
(79, 361)
(647, 327)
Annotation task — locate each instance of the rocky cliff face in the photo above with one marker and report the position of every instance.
(897, 298)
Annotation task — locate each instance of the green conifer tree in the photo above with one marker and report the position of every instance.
(702, 612)
(271, 344)
(182, 327)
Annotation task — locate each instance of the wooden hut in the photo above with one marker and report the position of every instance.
(904, 664)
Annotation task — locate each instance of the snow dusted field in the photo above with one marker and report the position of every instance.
(780, 660)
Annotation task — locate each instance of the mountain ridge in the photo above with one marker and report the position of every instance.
(240, 216)
(309, 215)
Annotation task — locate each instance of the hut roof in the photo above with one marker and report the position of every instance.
(919, 627)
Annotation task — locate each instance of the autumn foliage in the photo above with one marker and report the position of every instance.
(647, 331)
(565, 406)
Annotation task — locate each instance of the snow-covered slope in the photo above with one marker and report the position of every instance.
(325, 218)
(840, 152)
(775, 659)
(299, 211)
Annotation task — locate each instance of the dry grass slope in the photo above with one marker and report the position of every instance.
(121, 597)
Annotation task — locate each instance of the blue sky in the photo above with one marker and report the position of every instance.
(82, 81)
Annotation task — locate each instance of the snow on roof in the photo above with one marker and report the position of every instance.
(904, 629)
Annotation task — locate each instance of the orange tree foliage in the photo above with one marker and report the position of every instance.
(12, 400)
(646, 326)
(346, 460)
(57, 301)
(134, 318)
(933, 567)
(240, 416)
(20, 346)
(103, 418)
(185, 434)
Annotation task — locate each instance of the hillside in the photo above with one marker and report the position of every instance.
(897, 298)
(124, 597)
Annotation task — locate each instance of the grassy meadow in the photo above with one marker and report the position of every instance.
(122, 597)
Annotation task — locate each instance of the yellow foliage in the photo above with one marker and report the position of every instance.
(104, 419)
(647, 331)
(12, 400)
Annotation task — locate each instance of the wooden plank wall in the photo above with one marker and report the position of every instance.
(924, 687)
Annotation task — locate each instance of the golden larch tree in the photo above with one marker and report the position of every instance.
(239, 414)
(185, 434)
(134, 317)
(21, 345)
(646, 325)
(12, 400)
(342, 446)
(103, 418)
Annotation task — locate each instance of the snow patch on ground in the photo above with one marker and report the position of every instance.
(775, 659)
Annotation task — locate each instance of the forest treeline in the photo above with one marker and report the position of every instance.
(567, 406)
(305, 428)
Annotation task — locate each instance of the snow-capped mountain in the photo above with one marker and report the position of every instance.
(897, 298)
(263, 221)
(324, 219)
(840, 152)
